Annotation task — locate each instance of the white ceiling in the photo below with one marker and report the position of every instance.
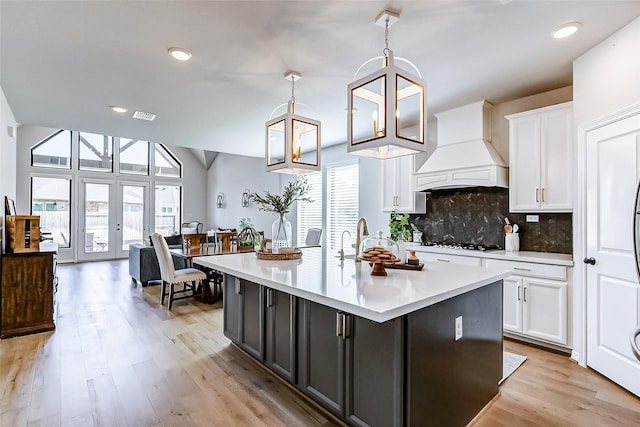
(62, 63)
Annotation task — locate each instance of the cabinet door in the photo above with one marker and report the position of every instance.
(321, 356)
(252, 322)
(556, 161)
(280, 333)
(405, 201)
(388, 185)
(545, 310)
(232, 308)
(524, 164)
(374, 372)
(512, 304)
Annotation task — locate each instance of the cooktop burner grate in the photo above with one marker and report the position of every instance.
(467, 246)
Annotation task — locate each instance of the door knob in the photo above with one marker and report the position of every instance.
(590, 260)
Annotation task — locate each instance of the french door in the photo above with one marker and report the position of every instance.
(113, 214)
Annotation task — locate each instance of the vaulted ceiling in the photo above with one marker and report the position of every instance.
(63, 63)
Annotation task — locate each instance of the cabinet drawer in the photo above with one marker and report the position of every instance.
(546, 271)
(454, 259)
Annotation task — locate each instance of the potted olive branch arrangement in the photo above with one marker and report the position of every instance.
(281, 204)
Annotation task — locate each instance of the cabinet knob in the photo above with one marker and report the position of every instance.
(590, 260)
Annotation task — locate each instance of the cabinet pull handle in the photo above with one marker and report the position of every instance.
(525, 294)
(338, 324)
(238, 287)
(537, 193)
(519, 292)
(543, 195)
(269, 297)
(345, 335)
(521, 269)
(443, 260)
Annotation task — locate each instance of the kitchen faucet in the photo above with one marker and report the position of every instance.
(342, 244)
(365, 232)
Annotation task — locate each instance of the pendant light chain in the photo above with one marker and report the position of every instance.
(293, 98)
(385, 51)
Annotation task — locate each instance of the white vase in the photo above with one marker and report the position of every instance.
(402, 251)
(280, 234)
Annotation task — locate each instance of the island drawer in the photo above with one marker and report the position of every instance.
(453, 259)
(546, 271)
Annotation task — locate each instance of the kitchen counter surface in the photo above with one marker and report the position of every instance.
(349, 286)
(523, 256)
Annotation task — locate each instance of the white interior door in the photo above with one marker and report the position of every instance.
(613, 293)
(112, 216)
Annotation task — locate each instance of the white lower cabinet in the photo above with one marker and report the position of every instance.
(535, 307)
(453, 259)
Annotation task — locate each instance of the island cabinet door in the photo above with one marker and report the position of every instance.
(374, 372)
(244, 315)
(321, 356)
(280, 333)
(252, 320)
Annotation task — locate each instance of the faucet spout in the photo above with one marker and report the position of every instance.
(365, 232)
(342, 244)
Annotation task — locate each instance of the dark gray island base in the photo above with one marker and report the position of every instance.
(408, 371)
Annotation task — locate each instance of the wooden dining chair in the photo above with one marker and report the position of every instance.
(196, 239)
(186, 278)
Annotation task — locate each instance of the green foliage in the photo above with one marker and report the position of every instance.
(244, 223)
(280, 204)
(398, 226)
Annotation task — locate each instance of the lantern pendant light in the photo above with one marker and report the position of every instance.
(387, 108)
(292, 141)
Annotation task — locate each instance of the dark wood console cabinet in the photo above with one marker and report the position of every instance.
(27, 293)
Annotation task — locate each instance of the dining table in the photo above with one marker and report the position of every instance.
(208, 296)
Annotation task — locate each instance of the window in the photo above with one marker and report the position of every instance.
(95, 152)
(166, 163)
(343, 201)
(134, 156)
(310, 214)
(167, 209)
(51, 200)
(54, 151)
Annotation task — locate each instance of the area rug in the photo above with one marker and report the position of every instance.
(510, 362)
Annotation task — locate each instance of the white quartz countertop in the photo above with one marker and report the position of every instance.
(523, 256)
(349, 286)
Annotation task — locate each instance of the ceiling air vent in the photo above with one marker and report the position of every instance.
(141, 115)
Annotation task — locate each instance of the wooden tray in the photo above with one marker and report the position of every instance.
(297, 254)
(405, 266)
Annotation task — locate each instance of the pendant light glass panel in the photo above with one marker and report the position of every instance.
(409, 112)
(305, 143)
(368, 121)
(276, 143)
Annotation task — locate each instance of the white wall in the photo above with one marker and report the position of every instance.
(232, 174)
(7, 156)
(605, 79)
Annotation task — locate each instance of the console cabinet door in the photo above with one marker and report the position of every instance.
(545, 310)
(512, 304)
(280, 333)
(374, 372)
(321, 356)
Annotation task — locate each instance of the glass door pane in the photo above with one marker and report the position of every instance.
(132, 215)
(96, 217)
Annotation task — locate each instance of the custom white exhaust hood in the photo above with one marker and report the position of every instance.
(464, 156)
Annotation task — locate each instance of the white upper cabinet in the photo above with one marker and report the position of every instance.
(541, 159)
(398, 187)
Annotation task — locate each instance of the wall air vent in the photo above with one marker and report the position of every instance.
(141, 115)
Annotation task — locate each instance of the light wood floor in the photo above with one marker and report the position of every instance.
(118, 358)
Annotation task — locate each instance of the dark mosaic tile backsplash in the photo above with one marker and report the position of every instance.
(476, 215)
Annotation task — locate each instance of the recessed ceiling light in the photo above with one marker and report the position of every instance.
(118, 109)
(565, 30)
(180, 54)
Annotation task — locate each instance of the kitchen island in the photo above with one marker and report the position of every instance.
(372, 350)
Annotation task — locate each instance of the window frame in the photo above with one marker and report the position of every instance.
(69, 179)
(334, 230)
(111, 139)
(45, 140)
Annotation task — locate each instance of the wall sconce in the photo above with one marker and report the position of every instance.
(220, 200)
(245, 198)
